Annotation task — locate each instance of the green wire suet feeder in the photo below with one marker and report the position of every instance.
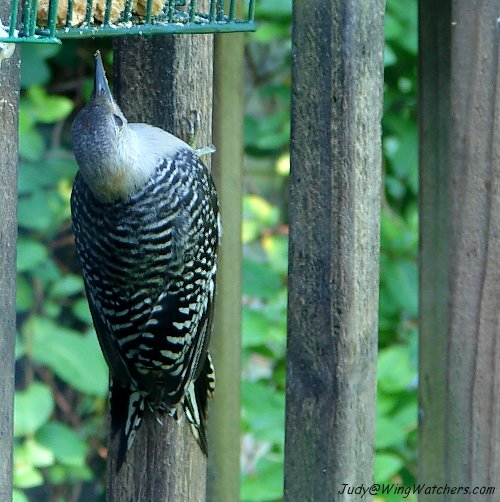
(49, 21)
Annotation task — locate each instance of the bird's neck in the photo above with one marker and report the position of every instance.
(122, 170)
(131, 162)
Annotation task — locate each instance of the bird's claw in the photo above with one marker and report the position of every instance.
(193, 128)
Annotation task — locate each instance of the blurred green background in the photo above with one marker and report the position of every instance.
(60, 422)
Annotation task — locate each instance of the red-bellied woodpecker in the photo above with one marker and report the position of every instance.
(146, 223)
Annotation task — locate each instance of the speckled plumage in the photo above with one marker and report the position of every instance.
(148, 254)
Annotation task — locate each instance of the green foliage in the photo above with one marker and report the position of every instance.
(62, 378)
(61, 374)
(33, 407)
(265, 240)
(63, 443)
(71, 356)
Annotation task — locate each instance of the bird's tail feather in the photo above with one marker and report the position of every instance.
(127, 410)
(195, 402)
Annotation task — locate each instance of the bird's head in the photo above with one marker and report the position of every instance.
(103, 145)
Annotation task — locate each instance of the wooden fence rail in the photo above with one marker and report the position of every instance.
(9, 103)
(459, 440)
(335, 181)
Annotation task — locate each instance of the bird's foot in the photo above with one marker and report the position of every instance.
(193, 129)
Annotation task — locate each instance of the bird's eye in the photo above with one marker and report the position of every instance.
(118, 120)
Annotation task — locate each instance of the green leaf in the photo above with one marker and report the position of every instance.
(25, 296)
(59, 474)
(31, 142)
(48, 109)
(400, 280)
(404, 14)
(259, 280)
(52, 309)
(261, 328)
(32, 453)
(401, 148)
(34, 211)
(20, 349)
(67, 286)
(258, 216)
(255, 328)
(395, 372)
(276, 247)
(282, 165)
(263, 410)
(32, 408)
(258, 208)
(34, 69)
(18, 496)
(265, 484)
(389, 313)
(55, 168)
(390, 57)
(386, 466)
(385, 403)
(388, 433)
(42, 210)
(31, 145)
(30, 254)
(59, 165)
(274, 9)
(47, 272)
(68, 448)
(407, 416)
(29, 178)
(398, 235)
(81, 311)
(269, 31)
(395, 187)
(250, 230)
(268, 133)
(74, 358)
(26, 476)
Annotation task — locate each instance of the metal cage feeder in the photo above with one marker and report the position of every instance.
(50, 21)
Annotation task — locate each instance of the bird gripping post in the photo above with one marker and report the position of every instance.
(146, 223)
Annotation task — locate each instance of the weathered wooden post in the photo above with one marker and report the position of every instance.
(161, 80)
(9, 101)
(460, 244)
(223, 481)
(337, 75)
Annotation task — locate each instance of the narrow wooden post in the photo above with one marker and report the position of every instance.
(337, 78)
(161, 80)
(224, 413)
(460, 242)
(435, 28)
(9, 102)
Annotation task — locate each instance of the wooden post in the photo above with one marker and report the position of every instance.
(161, 80)
(335, 180)
(434, 27)
(9, 103)
(460, 242)
(224, 413)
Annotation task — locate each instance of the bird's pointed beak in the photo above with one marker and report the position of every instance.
(101, 87)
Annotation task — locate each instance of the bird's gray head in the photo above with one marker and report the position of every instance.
(103, 145)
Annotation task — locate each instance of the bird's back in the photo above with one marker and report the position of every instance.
(149, 266)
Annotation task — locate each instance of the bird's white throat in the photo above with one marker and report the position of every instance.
(131, 163)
